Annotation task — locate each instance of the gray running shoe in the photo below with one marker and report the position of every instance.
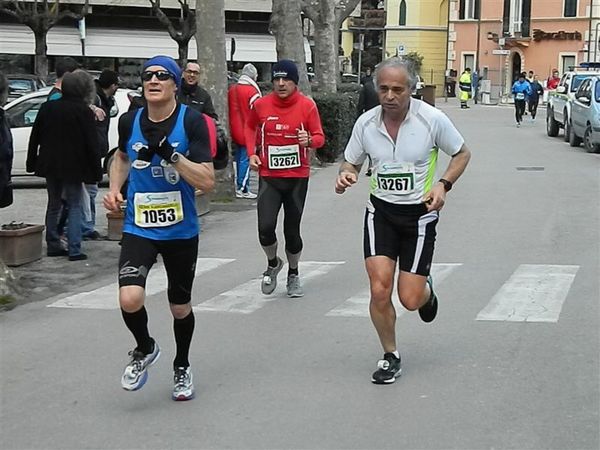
(136, 372)
(183, 388)
(269, 281)
(294, 287)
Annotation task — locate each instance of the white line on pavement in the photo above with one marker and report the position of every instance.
(533, 293)
(106, 297)
(358, 305)
(247, 297)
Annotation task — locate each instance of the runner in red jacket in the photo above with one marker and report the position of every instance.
(290, 127)
(241, 97)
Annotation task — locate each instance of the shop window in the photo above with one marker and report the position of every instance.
(402, 12)
(570, 8)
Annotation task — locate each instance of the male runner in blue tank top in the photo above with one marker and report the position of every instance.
(165, 155)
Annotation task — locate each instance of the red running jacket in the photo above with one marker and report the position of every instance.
(277, 122)
(240, 97)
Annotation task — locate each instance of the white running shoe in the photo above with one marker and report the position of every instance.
(183, 386)
(247, 195)
(136, 372)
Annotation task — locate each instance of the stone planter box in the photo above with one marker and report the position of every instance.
(202, 203)
(21, 246)
(115, 225)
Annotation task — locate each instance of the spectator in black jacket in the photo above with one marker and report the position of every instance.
(63, 148)
(367, 99)
(6, 148)
(192, 94)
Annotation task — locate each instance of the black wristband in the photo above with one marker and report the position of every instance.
(447, 184)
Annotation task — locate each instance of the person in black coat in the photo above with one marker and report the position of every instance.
(192, 94)
(6, 148)
(64, 149)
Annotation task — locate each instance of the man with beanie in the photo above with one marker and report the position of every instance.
(192, 94)
(241, 97)
(288, 126)
(106, 86)
(164, 153)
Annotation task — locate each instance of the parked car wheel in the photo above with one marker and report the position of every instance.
(588, 143)
(574, 140)
(551, 124)
(567, 127)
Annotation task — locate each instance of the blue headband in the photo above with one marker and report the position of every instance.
(168, 63)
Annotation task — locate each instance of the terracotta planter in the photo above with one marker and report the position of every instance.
(115, 225)
(202, 203)
(22, 245)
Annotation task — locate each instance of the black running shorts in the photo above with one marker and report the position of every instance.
(138, 255)
(401, 232)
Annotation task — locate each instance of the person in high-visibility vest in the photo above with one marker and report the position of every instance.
(464, 83)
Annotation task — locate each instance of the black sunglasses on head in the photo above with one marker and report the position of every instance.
(161, 75)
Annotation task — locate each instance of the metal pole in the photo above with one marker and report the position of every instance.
(446, 72)
(596, 41)
(476, 87)
(590, 30)
(361, 40)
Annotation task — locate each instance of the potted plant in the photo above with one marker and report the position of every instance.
(20, 243)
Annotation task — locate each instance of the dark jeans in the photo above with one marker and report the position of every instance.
(72, 192)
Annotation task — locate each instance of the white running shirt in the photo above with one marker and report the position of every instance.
(403, 171)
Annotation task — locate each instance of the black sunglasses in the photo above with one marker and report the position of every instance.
(161, 75)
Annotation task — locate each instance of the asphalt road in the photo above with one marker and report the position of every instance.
(520, 231)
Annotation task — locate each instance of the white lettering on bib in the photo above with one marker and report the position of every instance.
(396, 178)
(284, 156)
(157, 209)
(520, 96)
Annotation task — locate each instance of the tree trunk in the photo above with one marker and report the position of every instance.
(40, 58)
(286, 25)
(326, 67)
(210, 41)
(183, 53)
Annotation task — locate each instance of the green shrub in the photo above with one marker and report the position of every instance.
(338, 114)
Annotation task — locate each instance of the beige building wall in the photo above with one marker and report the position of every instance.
(425, 32)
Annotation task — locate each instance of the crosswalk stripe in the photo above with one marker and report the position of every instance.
(533, 293)
(247, 297)
(106, 297)
(358, 305)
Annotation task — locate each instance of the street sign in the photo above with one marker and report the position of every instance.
(401, 49)
(500, 52)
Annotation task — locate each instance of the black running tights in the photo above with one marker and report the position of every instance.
(272, 194)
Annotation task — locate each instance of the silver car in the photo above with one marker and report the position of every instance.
(585, 115)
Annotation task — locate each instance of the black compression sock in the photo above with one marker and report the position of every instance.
(184, 329)
(273, 262)
(293, 271)
(137, 322)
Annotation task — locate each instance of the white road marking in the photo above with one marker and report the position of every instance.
(358, 305)
(106, 297)
(247, 297)
(533, 293)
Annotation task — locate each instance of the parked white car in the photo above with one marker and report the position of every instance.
(21, 114)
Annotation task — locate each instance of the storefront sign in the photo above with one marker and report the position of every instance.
(539, 35)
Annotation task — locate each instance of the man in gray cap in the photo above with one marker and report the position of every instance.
(241, 97)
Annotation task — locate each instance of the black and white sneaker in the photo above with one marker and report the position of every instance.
(388, 369)
(428, 311)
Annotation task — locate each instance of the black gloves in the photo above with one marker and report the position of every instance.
(145, 154)
(157, 143)
(164, 150)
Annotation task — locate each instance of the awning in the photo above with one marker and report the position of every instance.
(120, 43)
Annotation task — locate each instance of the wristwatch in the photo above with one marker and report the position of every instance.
(447, 184)
(174, 157)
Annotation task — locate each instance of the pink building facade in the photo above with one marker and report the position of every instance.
(501, 38)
